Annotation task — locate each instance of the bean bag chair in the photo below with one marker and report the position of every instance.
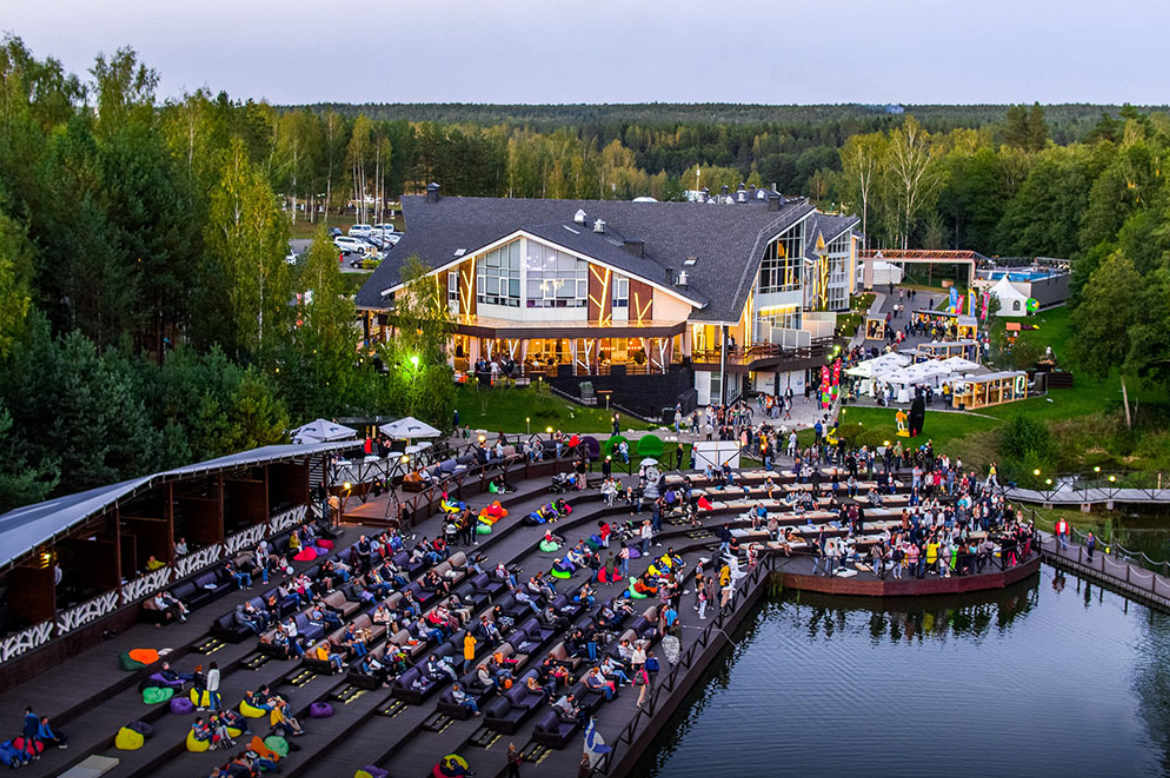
(251, 711)
(234, 732)
(321, 550)
(127, 663)
(181, 706)
(9, 756)
(549, 546)
(195, 745)
(200, 700)
(451, 766)
(146, 656)
(320, 710)
(325, 543)
(37, 746)
(705, 504)
(128, 740)
(277, 744)
(483, 529)
(495, 511)
(257, 745)
(306, 555)
(634, 594)
(533, 519)
(602, 574)
(595, 542)
(370, 771)
(492, 488)
(634, 552)
(559, 573)
(155, 694)
(142, 728)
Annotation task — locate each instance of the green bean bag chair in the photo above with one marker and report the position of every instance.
(277, 744)
(634, 594)
(610, 447)
(548, 547)
(483, 529)
(493, 488)
(557, 573)
(128, 740)
(126, 663)
(153, 695)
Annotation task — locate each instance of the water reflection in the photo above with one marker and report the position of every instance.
(1065, 677)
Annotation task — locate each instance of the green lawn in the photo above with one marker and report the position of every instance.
(505, 409)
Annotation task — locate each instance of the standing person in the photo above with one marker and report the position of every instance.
(1062, 533)
(647, 534)
(213, 686)
(1091, 545)
(32, 725)
(514, 760)
(468, 652)
(617, 424)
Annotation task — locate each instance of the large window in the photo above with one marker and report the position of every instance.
(453, 292)
(780, 269)
(621, 292)
(498, 276)
(555, 279)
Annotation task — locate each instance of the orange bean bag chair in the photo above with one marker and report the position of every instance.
(493, 513)
(257, 745)
(146, 656)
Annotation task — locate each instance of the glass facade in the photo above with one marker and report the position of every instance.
(780, 270)
(555, 279)
(498, 276)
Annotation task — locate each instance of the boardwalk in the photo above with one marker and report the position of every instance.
(1120, 575)
(1067, 495)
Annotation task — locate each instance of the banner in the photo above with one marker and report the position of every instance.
(986, 304)
(954, 301)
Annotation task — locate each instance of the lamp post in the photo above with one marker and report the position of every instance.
(527, 426)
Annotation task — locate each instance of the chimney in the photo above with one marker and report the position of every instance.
(752, 191)
(599, 226)
(634, 246)
(670, 275)
(773, 201)
(579, 217)
(725, 191)
(741, 193)
(432, 192)
(701, 196)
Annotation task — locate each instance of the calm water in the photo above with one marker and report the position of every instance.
(1051, 678)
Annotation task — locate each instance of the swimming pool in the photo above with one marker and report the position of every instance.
(1021, 275)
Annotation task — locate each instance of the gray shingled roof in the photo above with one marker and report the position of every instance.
(828, 225)
(728, 240)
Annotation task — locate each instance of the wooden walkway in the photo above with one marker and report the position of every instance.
(1091, 496)
(1120, 575)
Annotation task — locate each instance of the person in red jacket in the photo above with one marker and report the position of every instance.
(1062, 533)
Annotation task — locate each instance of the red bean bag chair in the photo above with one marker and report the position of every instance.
(325, 544)
(705, 504)
(37, 746)
(306, 555)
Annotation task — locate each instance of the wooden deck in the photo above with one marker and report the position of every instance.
(798, 575)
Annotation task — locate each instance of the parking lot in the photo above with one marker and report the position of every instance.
(301, 245)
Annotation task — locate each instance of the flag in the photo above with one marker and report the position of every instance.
(971, 302)
(986, 303)
(954, 302)
(595, 746)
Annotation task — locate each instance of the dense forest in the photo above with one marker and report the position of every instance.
(148, 316)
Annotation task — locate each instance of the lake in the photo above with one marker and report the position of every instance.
(1053, 677)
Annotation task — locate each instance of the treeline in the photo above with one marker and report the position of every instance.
(148, 317)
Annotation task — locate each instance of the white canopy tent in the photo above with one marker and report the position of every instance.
(1012, 302)
(960, 365)
(321, 431)
(874, 371)
(409, 428)
(930, 373)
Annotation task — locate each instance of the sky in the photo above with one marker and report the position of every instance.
(623, 51)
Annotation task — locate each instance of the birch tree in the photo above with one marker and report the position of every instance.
(914, 175)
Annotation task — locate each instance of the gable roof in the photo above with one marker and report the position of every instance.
(830, 226)
(727, 240)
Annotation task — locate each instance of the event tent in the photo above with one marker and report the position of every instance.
(409, 428)
(1012, 302)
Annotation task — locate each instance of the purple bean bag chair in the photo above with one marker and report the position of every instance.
(634, 552)
(376, 772)
(320, 710)
(175, 684)
(181, 706)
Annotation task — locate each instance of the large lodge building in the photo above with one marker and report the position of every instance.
(646, 298)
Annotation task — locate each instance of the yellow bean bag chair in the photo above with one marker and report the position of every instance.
(128, 740)
(234, 733)
(200, 700)
(251, 711)
(146, 656)
(197, 746)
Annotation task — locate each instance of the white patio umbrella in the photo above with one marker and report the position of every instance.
(322, 430)
(648, 462)
(408, 428)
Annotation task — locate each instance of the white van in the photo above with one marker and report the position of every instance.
(350, 245)
(360, 231)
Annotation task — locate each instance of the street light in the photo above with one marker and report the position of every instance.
(548, 430)
(527, 425)
(482, 438)
(347, 486)
(1097, 469)
(1048, 481)
(1036, 471)
(414, 361)
(1112, 478)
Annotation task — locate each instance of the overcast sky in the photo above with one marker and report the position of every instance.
(618, 51)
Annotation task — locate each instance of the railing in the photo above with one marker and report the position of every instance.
(1117, 566)
(1108, 485)
(1003, 559)
(669, 680)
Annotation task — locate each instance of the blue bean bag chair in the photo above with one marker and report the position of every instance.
(320, 710)
(9, 756)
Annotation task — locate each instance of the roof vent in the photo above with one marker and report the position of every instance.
(599, 226)
(634, 246)
(579, 216)
(682, 279)
(432, 192)
(460, 252)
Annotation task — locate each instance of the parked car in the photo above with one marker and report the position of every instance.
(348, 245)
(291, 257)
(335, 232)
(360, 231)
